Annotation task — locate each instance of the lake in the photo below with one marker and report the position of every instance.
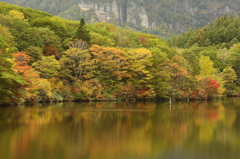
(118, 130)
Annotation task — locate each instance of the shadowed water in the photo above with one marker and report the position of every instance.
(112, 130)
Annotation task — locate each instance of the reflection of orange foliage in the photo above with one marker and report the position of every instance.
(21, 143)
(176, 130)
(99, 105)
(111, 144)
(108, 134)
(213, 115)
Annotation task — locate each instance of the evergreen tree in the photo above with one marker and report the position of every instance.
(82, 33)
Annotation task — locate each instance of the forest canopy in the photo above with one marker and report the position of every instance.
(45, 58)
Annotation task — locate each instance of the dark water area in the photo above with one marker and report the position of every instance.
(117, 130)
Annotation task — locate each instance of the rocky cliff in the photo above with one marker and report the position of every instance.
(156, 16)
(196, 13)
(133, 13)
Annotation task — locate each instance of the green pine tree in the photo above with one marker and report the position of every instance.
(82, 32)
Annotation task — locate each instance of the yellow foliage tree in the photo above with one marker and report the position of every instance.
(206, 65)
(45, 89)
(140, 61)
(17, 14)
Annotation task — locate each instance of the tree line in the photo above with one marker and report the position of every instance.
(48, 59)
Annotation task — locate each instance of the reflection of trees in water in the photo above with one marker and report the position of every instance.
(88, 130)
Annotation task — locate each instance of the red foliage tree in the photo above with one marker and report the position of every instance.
(211, 87)
(74, 90)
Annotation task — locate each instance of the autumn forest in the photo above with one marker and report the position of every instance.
(45, 58)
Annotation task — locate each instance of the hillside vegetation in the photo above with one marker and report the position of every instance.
(223, 32)
(164, 17)
(48, 59)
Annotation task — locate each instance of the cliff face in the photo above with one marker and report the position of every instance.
(176, 15)
(195, 13)
(159, 15)
(133, 13)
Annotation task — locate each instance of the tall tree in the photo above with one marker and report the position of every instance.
(140, 61)
(11, 83)
(82, 32)
(206, 65)
(77, 62)
(175, 78)
(28, 73)
(210, 80)
(230, 78)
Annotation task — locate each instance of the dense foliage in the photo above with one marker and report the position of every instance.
(223, 32)
(44, 59)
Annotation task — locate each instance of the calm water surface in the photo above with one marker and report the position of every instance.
(194, 130)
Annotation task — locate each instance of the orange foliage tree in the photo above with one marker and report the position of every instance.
(180, 82)
(111, 62)
(28, 73)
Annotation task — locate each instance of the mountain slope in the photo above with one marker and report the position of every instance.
(156, 16)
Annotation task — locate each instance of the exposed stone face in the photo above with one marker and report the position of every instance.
(153, 14)
(134, 13)
(192, 10)
(137, 15)
(130, 12)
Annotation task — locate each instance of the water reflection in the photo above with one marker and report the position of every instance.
(199, 129)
